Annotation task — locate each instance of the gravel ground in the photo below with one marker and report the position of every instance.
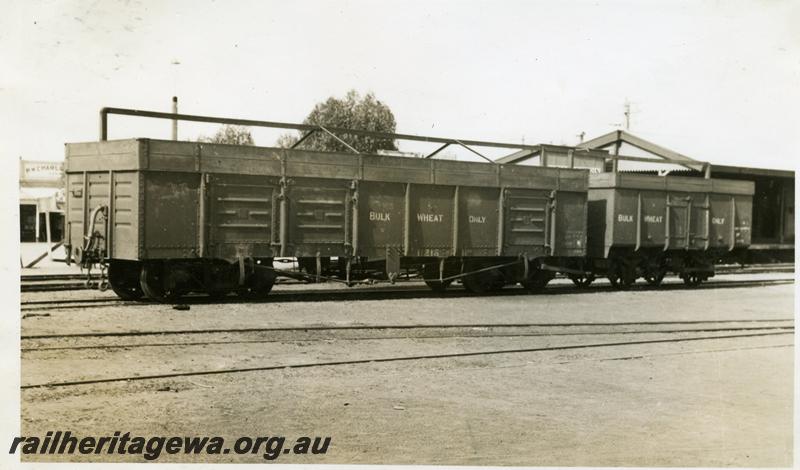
(715, 402)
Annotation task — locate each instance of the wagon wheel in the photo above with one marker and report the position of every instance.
(484, 282)
(124, 280)
(438, 286)
(692, 279)
(537, 280)
(431, 275)
(622, 276)
(259, 284)
(214, 279)
(654, 277)
(582, 280)
(154, 283)
(216, 293)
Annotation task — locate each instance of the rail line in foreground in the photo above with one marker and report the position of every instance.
(389, 359)
(479, 333)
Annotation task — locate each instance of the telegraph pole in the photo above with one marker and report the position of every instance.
(627, 115)
(174, 121)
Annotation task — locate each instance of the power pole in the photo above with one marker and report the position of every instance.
(174, 121)
(627, 115)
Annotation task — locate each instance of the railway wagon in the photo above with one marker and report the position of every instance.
(643, 225)
(167, 218)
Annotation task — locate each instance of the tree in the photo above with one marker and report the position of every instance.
(227, 134)
(351, 112)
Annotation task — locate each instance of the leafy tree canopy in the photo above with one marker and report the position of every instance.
(227, 134)
(352, 112)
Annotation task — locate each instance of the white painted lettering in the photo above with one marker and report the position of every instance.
(429, 217)
(477, 219)
(379, 216)
(624, 218)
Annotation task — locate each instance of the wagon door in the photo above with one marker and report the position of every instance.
(677, 220)
(687, 221)
(526, 213)
(318, 215)
(241, 216)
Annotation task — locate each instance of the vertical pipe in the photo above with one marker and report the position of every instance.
(355, 221)
(47, 229)
(571, 158)
(284, 219)
(666, 225)
(36, 223)
(455, 222)
(501, 216)
(782, 216)
(201, 224)
(110, 217)
(174, 121)
(638, 221)
(85, 223)
(688, 220)
(103, 124)
(708, 221)
(554, 215)
(615, 160)
(733, 224)
(407, 220)
(546, 233)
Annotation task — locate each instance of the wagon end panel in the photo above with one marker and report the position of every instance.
(240, 218)
(124, 218)
(76, 209)
(170, 215)
(103, 174)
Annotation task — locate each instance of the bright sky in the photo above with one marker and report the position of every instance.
(717, 81)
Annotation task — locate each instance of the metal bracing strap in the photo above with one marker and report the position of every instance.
(306, 136)
(340, 140)
(430, 155)
(474, 151)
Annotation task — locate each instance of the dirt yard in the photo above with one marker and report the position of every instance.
(687, 393)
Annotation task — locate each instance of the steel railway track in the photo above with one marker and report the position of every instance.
(395, 292)
(389, 359)
(424, 335)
